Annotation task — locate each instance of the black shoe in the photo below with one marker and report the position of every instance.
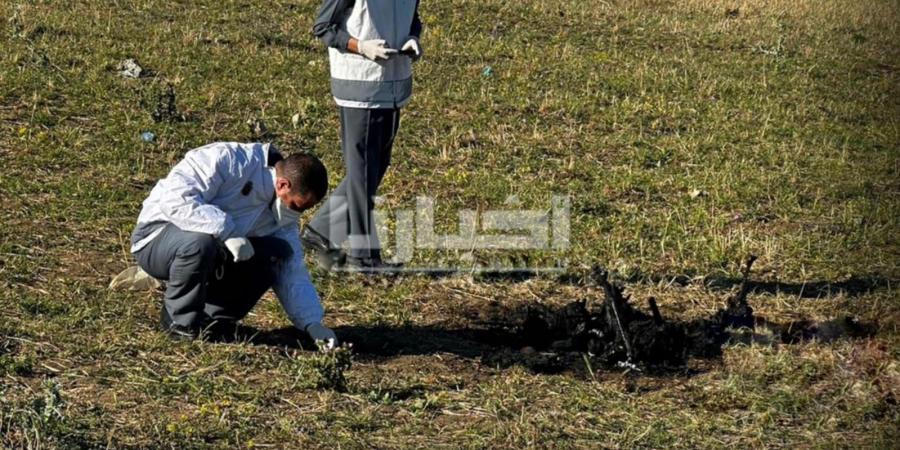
(175, 331)
(326, 255)
(372, 266)
(314, 241)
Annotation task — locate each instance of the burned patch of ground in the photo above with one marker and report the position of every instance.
(615, 333)
(581, 336)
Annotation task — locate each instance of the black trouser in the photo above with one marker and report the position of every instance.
(202, 279)
(367, 136)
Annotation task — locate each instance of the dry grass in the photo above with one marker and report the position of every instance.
(781, 115)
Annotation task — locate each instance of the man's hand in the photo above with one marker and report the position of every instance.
(240, 248)
(320, 333)
(375, 49)
(412, 48)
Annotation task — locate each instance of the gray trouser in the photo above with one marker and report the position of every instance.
(191, 263)
(367, 136)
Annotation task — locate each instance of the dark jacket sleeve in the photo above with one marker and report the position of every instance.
(416, 28)
(326, 25)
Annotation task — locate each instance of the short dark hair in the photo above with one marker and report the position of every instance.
(306, 174)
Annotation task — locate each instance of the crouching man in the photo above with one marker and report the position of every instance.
(222, 228)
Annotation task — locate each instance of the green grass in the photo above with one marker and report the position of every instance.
(783, 116)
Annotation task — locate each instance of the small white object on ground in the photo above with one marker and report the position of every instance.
(134, 279)
(130, 69)
(697, 193)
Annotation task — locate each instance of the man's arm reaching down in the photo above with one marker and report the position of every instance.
(295, 290)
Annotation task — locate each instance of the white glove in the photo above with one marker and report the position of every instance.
(412, 46)
(240, 247)
(320, 333)
(375, 49)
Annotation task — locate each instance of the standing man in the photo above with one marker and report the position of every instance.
(371, 45)
(222, 228)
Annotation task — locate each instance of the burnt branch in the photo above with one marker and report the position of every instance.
(654, 309)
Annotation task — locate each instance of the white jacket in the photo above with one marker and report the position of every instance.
(225, 189)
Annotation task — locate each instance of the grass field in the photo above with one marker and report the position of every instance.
(689, 134)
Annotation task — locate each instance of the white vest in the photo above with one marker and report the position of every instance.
(357, 82)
